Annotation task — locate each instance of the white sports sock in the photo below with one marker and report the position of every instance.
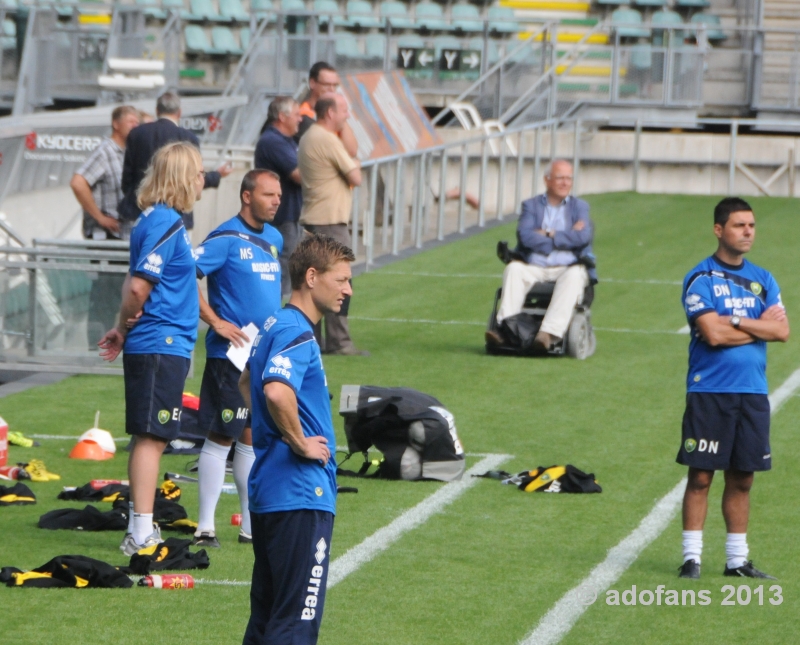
(736, 550)
(210, 477)
(130, 517)
(692, 545)
(243, 459)
(142, 527)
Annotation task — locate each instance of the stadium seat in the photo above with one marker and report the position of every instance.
(328, 8)
(244, 37)
(410, 42)
(502, 20)
(624, 22)
(9, 37)
(360, 14)
(466, 17)
(695, 4)
(9, 6)
(665, 18)
(347, 46)
(204, 10)
(151, 9)
(223, 38)
(197, 42)
(175, 5)
(641, 57)
(492, 53)
(233, 10)
(712, 24)
(293, 6)
(429, 16)
(615, 3)
(263, 9)
(396, 12)
(375, 46)
(445, 42)
(650, 3)
(65, 7)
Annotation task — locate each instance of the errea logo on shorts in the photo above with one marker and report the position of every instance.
(153, 263)
(282, 366)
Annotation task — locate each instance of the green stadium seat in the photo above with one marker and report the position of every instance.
(152, 9)
(712, 24)
(328, 8)
(410, 42)
(430, 16)
(204, 10)
(65, 7)
(397, 13)
(197, 42)
(445, 42)
(665, 18)
(651, 3)
(263, 9)
(9, 6)
(293, 6)
(223, 38)
(502, 20)
(615, 3)
(624, 22)
(641, 57)
(466, 18)
(695, 4)
(244, 37)
(492, 53)
(233, 10)
(360, 14)
(175, 5)
(375, 45)
(9, 38)
(347, 46)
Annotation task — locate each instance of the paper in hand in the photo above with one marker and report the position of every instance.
(239, 355)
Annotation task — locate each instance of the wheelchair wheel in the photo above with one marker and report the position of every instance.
(579, 338)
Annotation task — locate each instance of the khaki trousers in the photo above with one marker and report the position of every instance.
(519, 278)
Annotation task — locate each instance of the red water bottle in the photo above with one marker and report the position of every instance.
(97, 484)
(168, 581)
(13, 472)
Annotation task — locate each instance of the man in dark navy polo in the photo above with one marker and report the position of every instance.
(276, 150)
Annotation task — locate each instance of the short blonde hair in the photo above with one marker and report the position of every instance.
(170, 178)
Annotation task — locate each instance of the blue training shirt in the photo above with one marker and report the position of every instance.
(161, 253)
(244, 276)
(285, 351)
(746, 291)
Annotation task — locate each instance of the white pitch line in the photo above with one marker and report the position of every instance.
(560, 619)
(384, 537)
(60, 436)
(684, 330)
(496, 276)
(475, 323)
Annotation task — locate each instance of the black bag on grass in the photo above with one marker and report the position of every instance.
(89, 518)
(558, 479)
(171, 555)
(76, 571)
(414, 431)
(16, 495)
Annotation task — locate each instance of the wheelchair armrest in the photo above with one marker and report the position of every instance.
(506, 255)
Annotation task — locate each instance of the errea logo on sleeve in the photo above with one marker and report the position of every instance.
(282, 365)
(153, 263)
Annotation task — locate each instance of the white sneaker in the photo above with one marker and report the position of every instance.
(129, 546)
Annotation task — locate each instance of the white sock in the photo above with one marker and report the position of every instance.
(130, 517)
(142, 527)
(736, 550)
(692, 545)
(210, 476)
(243, 459)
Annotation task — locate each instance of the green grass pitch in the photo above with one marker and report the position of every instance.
(486, 569)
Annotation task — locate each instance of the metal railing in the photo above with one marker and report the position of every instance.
(57, 299)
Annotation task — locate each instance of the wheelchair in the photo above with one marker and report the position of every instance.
(579, 341)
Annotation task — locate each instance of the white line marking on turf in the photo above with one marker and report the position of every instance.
(557, 622)
(684, 330)
(474, 323)
(384, 537)
(496, 276)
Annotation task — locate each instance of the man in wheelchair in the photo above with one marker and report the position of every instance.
(554, 236)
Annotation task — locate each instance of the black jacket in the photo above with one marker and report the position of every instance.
(143, 142)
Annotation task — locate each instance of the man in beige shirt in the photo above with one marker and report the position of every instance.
(328, 174)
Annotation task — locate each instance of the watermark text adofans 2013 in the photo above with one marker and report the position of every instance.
(728, 595)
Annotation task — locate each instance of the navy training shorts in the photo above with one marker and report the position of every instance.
(222, 408)
(290, 575)
(154, 394)
(726, 432)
